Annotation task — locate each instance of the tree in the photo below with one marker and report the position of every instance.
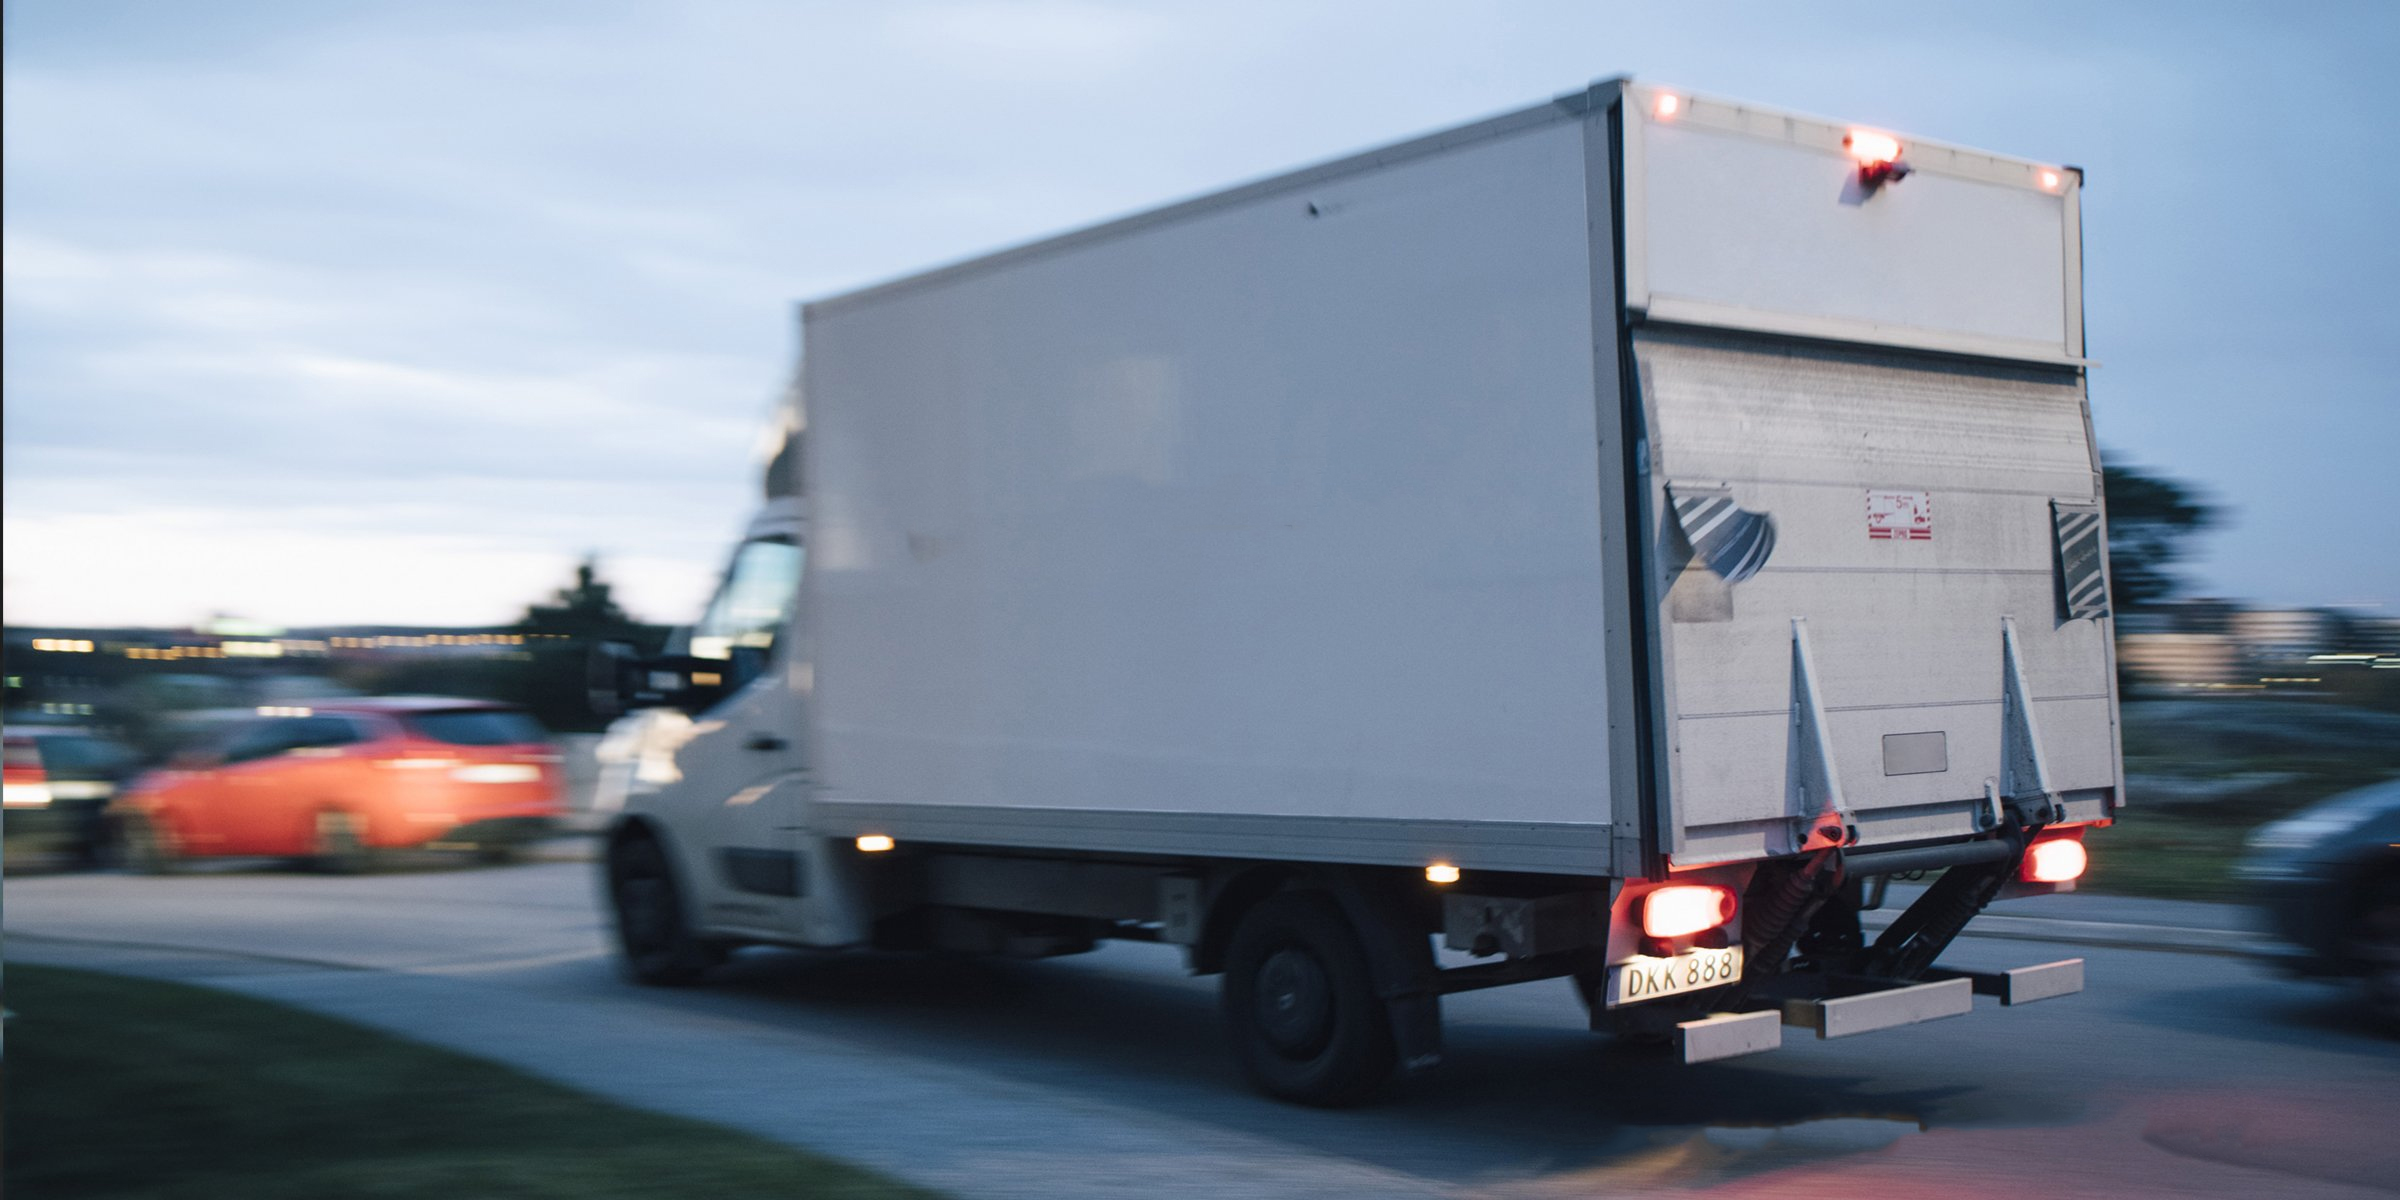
(2151, 522)
(559, 638)
(585, 609)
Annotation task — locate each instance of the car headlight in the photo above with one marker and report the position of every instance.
(2299, 833)
(498, 773)
(27, 795)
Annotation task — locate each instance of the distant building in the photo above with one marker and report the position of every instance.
(2182, 659)
(2284, 634)
(72, 672)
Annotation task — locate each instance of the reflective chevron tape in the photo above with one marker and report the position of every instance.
(1732, 540)
(2082, 582)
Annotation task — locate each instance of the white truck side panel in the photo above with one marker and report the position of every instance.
(1741, 218)
(1286, 508)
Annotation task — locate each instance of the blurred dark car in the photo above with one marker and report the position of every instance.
(340, 781)
(60, 781)
(2328, 878)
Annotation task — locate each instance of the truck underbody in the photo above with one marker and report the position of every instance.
(1331, 980)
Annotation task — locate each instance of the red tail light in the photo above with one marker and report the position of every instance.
(2054, 860)
(1685, 909)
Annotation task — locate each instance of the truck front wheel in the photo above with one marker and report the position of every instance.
(1306, 1022)
(656, 940)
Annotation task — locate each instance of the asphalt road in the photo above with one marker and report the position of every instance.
(1104, 1075)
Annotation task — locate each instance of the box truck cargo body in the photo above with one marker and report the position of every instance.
(1516, 536)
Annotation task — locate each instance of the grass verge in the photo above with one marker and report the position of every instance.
(121, 1087)
(2202, 774)
(2168, 855)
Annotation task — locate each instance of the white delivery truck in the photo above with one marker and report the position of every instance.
(1611, 540)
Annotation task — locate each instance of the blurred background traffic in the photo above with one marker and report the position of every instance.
(103, 724)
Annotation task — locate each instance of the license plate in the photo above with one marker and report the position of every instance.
(1646, 978)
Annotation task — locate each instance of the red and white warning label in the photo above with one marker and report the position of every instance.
(1900, 516)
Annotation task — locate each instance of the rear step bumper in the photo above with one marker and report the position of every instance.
(2024, 985)
(1882, 1008)
(1864, 1006)
(1728, 1035)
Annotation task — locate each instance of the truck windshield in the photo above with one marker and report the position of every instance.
(752, 605)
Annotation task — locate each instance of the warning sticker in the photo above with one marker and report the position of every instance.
(1900, 516)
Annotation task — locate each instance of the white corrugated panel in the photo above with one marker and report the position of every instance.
(1903, 616)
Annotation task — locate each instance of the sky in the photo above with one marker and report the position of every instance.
(390, 311)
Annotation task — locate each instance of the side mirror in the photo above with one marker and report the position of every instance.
(617, 680)
(609, 678)
(688, 683)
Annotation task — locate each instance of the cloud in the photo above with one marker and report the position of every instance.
(1045, 43)
(292, 274)
(107, 569)
(284, 439)
(256, 352)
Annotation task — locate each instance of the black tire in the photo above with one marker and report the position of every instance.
(340, 847)
(1300, 1002)
(2375, 943)
(143, 848)
(655, 942)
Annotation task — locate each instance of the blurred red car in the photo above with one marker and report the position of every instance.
(335, 782)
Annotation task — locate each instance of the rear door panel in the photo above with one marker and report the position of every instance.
(1904, 632)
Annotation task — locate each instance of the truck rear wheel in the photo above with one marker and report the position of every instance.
(653, 936)
(1301, 1005)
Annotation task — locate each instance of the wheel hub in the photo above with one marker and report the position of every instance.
(1295, 1001)
(642, 901)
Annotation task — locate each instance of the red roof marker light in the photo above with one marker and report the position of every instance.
(1870, 148)
(1877, 155)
